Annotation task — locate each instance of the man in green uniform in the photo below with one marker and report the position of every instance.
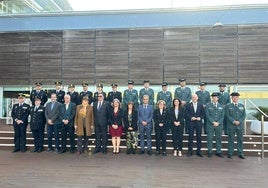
(224, 99)
(215, 116)
(165, 95)
(203, 98)
(130, 95)
(236, 114)
(147, 91)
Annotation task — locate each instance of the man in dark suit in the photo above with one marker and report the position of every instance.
(86, 93)
(99, 90)
(145, 117)
(73, 94)
(60, 93)
(195, 113)
(67, 115)
(101, 113)
(114, 94)
(20, 113)
(38, 92)
(52, 113)
(37, 124)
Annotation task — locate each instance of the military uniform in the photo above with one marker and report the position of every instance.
(74, 95)
(88, 94)
(130, 95)
(214, 113)
(41, 93)
(37, 125)
(235, 112)
(114, 95)
(20, 113)
(60, 93)
(184, 94)
(95, 98)
(224, 99)
(149, 92)
(165, 96)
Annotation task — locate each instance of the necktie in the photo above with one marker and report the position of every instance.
(52, 105)
(99, 106)
(35, 108)
(215, 104)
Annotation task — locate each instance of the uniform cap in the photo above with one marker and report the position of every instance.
(235, 94)
(146, 81)
(38, 84)
(21, 95)
(114, 85)
(130, 82)
(222, 85)
(215, 94)
(71, 86)
(164, 84)
(203, 84)
(58, 83)
(182, 79)
(84, 84)
(100, 85)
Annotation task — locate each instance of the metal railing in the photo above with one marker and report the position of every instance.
(262, 126)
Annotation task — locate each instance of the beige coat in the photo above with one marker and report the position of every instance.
(78, 121)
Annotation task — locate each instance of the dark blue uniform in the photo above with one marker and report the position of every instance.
(37, 125)
(114, 95)
(40, 94)
(20, 112)
(74, 97)
(88, 94)
(60, 95)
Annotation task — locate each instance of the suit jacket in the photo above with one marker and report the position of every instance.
(74, 97)
(69, 113)
(117, 120)
(173, 118)
(79, 122)
(114, 95)
(42, 94)
(38, 118)
(60, 95)
(101, 116)
(189, 112)
(145, 115)
(158, 118)
(20, 113)
(134, 120)
(53, 114)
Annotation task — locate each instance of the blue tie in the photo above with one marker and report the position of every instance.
(52, 105)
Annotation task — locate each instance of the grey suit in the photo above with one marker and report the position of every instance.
(53, 114)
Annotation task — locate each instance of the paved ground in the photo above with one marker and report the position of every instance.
(131, 171)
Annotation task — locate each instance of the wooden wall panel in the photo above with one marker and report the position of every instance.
(14, 58)
(253, 54)
(78, 57)
(111, 56)
(146, 55)
(45, 57)
(218, 54)
(181, 54)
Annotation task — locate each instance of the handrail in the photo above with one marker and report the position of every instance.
(257, 108)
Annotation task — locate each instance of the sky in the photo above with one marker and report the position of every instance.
(91, 5)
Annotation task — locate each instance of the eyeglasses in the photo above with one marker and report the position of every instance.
(100, 96)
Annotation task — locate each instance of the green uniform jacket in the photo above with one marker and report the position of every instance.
(165, 96)
(214, 114)
(234, 113)
(183, 94)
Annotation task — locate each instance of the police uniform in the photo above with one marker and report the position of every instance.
(130, 95)
(165, 96)
(96, 94)
(235, 112)
(60, 94)
(224, 99)
(88, 94)
(41, 93)
(149, 92)
(183, 93)
(74, 95)
(20, 112)
(37, 125)
(114, 95)
(203, 98)
(214, 113)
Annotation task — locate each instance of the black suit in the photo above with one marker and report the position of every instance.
(42, 94)
(194, 125)
(134, 120)
(60, 95)
(68, 114)
(74, 97)
(101, 116)
(177, 131)
(20, 113)
(37, 124)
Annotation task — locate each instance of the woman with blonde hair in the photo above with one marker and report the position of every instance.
(84, 123)
(116, 125)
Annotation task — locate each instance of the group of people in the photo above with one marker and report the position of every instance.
(78, 114)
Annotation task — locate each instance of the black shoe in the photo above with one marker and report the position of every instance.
(149, 152)
(141, 152)
(23, 150)
(241, 157)
(133, 151)
(63, 151)
(49, 150)
(128, 151)
(34, 150)
(104, 151)
(199, 155)
(230, 156)
(209, 154)
(157, 152)
(219, 155)
(72, 152)
(164, 153)
(39, 150)
(96, 151)
(189, 154)
(15, 150)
